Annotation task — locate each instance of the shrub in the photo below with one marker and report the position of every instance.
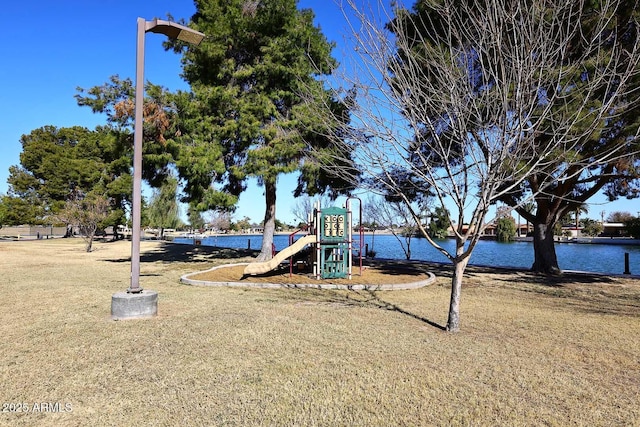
(505, 229)
(633, 227)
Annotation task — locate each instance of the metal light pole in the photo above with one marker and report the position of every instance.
(134, 302)
(174, 31)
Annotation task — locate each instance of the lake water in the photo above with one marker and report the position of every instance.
(598, 258)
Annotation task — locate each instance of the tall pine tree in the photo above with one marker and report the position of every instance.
(247, 108)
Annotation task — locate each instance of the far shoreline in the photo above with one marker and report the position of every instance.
(580, 240)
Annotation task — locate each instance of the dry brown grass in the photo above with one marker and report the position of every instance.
(532, 352)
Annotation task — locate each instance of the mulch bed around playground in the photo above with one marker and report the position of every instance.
(372, 274)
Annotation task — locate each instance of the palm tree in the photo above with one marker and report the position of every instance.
(581, 208)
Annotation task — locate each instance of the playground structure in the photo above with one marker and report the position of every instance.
(330, 233)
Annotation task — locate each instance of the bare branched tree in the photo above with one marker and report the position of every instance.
(85, 213)
(218, 220)
(304, 205)
(396, 217)
(467, 100)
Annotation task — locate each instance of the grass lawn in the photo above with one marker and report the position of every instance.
(532, 351)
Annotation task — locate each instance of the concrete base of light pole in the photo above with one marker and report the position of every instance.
(125, 305)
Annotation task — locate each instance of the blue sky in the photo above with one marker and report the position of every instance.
(56, 46)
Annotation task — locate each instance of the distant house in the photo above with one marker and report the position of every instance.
(610, 229)
(525, 229)
(571, 231)
(490, 230)
(613, 229)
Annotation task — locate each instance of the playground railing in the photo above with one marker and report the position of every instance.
(291, 236)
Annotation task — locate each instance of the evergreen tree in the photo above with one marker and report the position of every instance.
(632, 226)
(115, 99)
(439, 224)
(196, 222)
(505, 229)
(591, 227)
(18, 211)
(163, 209)
(247, 115)
(55, 163)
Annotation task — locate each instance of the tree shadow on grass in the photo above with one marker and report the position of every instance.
(175, 252)
(349, 298)
(557, 280)
(516, 275)
(587, 293)
(398, 267)
(380, 303)
(440, 269)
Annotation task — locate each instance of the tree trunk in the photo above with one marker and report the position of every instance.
(269, 222)
(459, 266)
(545, 260)
(407, 252)
(89, 242)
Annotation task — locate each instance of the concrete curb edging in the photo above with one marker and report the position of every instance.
(388, 287)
